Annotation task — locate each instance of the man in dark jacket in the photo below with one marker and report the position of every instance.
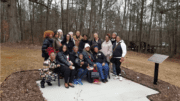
(96, 42)
(83, 42)
(100, 60)
(113, 40)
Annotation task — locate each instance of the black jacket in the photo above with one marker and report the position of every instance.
(62, 59)
(82, 43)
(78, 62)
(86, 58)
(72, 57)
(113, 41)
(99, 57)
(94, 43)
(70, 45)
(46, 43)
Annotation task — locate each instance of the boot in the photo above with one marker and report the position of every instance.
(42, 83)
(49, 83)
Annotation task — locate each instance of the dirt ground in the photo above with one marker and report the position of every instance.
(18, 57)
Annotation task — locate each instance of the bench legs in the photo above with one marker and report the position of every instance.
(58, 80)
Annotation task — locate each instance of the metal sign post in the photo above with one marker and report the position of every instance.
(157, 58)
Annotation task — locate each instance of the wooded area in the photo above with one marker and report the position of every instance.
(145, 25)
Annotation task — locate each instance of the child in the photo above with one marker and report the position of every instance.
(82, 70)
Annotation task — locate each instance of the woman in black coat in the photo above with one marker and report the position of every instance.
(83, 42)
(48, 42)
(66, 68)
(68, 42)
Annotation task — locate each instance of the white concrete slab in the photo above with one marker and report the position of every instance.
(114, 90)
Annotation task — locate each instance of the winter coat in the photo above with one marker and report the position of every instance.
(69, 45)
(94, 43)
(47, 43)
(61, 58)
(82, 43)
(99, 57)
(107, 49)
(48, 70)
(77, 39)
(56, 44)
(78, 62)
(120, 50)
(89, 58)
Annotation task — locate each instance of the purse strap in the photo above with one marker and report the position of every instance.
(116, 46)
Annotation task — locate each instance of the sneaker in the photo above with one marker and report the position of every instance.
(75, 81)
(79, 81)
(120, 78)
(116, 77)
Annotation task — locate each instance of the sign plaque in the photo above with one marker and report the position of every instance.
(157, 58)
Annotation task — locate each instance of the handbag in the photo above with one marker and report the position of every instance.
(94, 74)
(113, 59)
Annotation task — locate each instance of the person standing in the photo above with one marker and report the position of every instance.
(48, 42)
(60, 32)
(68, 42)
(119, 52)
(83, 42)
(100, 60)
(77, 38)
(72, 38)
(107, 47)
(113, 40)
(56, 43)
(96, 42)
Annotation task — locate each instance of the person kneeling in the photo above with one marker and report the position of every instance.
(100, 60)
(47, 73)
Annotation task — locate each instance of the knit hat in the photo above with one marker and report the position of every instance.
(59, 30)
(86, 45)
(47, 33)
(70, 33)
(95, 46)
(50, 50)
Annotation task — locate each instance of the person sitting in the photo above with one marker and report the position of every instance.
(100, 60)
(68, 42)
(87, 54)
(48, 42)
(47, 73)
(66, 68)
(82, 69)
(83, 42)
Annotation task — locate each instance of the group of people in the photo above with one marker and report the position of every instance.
(74, 56)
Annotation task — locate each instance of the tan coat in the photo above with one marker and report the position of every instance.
(77, 40)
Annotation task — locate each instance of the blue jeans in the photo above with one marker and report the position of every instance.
(81, 73)
(101, 68)
(114, 68)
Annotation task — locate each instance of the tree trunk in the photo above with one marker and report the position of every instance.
(14, 31)
(141, 24)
